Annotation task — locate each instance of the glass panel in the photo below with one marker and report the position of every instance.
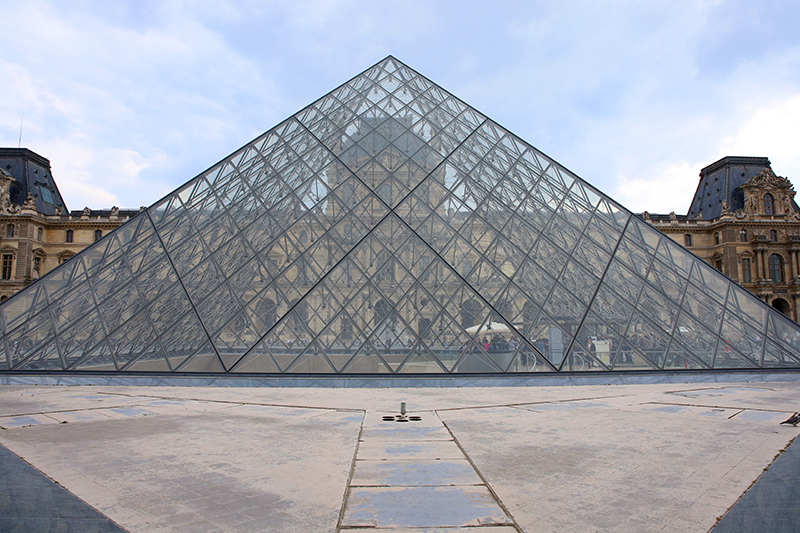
(709, 280)
(44, 358)
(649, 340)
(747, 306)
(695, 337)
(98, 359)
(784, 331)
(204, 360)
(596, 342)
(657, 308)
(680, 358)
(630, 357)
(738, 339)
(703, 306)
(611, 308)
(623, 281)
(578, 281)
(777, 357)
(24, 341)
(675, 256)
(591, 256)
(72, 306)
(132, 340)
(565, 308)
(22, 306)
(81, 338)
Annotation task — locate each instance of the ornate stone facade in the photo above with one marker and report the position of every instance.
(33, 242)
(758, 244)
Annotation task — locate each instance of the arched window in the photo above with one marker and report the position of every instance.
(716, 238)
(10, 231)
(776, 268)
(769, 202)
(98, 234)
(70, 235)
(773, 235)
(687, 240)
(742, 235)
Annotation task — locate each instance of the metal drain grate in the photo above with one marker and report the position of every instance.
(401, 418)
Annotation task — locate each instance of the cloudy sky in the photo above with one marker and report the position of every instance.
(130, 99)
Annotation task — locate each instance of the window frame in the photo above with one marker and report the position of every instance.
(769, 204)
(775, 268)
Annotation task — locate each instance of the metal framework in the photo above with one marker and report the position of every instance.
(389, 228)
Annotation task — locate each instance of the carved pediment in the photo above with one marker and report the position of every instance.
(768, 179)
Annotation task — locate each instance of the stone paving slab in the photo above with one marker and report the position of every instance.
(392, 507)
(434, 450)
(408, 473)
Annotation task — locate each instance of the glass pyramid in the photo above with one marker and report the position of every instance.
(389, 228)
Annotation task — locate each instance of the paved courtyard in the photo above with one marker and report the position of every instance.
(576, 458)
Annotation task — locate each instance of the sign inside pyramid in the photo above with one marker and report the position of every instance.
(389, 227)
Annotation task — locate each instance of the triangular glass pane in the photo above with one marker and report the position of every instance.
(99, 359)
(43, 359)
(22, 306)
(312, 361)
(81, 338)
(738, 336)
(784, 332)
(630, 357)
(422, 361)
(680, 358)
(24, 341)
(152, 360)
(777, 357)
(696, 338)
(204, 360)
(132, 339)
(649, 340)
(183, 339)
(746, 306)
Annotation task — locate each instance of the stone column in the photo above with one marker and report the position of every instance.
(759, 265)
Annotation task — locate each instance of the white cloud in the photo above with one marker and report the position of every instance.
(772, 132)
(659, 190)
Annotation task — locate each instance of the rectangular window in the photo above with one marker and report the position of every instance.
(746, 270)
(69, 236)
(8, 262)
(37, 267)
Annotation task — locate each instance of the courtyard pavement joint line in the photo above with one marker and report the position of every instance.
(414, 475)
